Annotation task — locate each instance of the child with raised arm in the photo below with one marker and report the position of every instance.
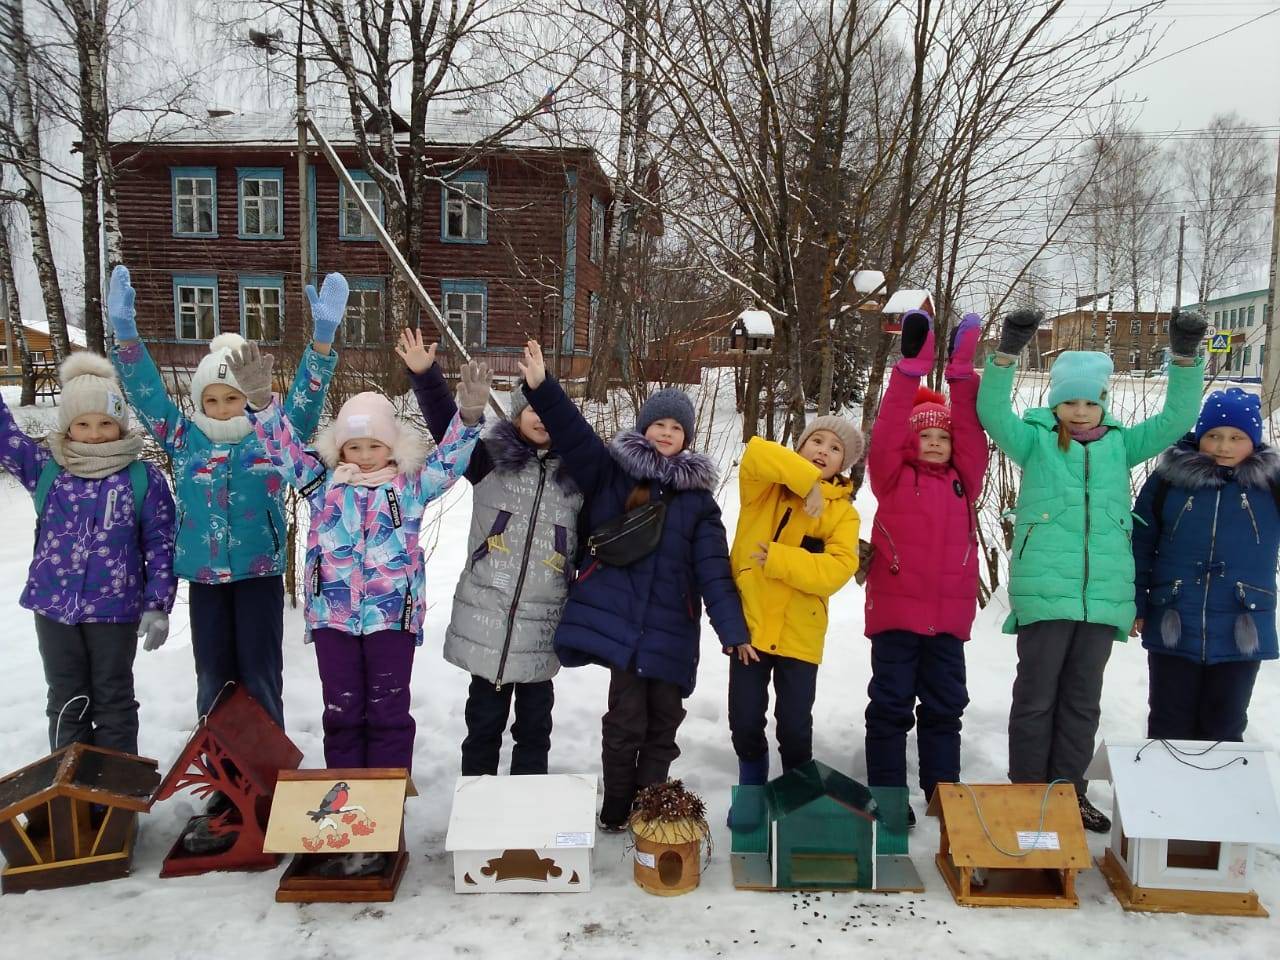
(367, 483)
(642, 619)
(926, 466)
(1071, 579)
(102, 573)
(231, 527)
(524, 518)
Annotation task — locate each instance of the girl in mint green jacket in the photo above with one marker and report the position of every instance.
(1071, 570)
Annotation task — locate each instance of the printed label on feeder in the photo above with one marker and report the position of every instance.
(645, 859)
(573, 839)
(1031, 840)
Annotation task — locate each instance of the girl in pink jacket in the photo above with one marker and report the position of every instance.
(926, 466)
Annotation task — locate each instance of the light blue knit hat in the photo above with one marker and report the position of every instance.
(1080, 375)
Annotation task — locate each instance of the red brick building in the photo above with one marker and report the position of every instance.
(513, 241)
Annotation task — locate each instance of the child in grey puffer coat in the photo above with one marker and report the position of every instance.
(512, 591)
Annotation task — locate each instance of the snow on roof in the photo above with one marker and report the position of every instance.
(1189, 790)
(533, 813)
(868, 281)
(74, 334)
(904, 300)
(267, 129)
(757, 323)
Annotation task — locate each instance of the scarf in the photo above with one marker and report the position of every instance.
(222, 431)
(350, 473)
(1090, 435)
(93, 461)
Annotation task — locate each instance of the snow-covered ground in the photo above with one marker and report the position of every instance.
(222, 915)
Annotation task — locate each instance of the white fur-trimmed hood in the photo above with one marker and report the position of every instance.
(409, 453)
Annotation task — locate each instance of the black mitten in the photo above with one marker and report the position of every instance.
(1019, 327)
(1186, 333)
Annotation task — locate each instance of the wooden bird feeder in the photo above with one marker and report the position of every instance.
(751, 333)
(1188, 817)
(900, 303)
(238, 751)
(80, 809)
(337, 822)
(668, 826)
(527, 834)
(813, 828)
(1005, 845)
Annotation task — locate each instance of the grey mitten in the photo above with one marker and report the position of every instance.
(1186, 333)
(1019, 327)
(473, 392)
(252, 371)
(155, 627)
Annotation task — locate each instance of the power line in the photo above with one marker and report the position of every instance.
(1198, 43)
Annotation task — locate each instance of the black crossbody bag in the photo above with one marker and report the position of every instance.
(631, 537)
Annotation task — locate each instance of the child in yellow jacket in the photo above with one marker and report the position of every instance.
(796, 545)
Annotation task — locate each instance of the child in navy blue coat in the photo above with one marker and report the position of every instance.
(1205, 549)
(642, 621)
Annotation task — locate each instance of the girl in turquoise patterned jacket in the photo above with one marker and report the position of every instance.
(367, 484)
(230, 526)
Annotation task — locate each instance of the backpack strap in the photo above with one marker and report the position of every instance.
(48, 473)
(138, 481)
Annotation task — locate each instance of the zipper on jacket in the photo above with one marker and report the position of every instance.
(524, 567)
(108, 517)
(1085, 592)
(1208, 574)
(1244, 502)
(275, 537)
(1186, 508)
(893, 567)
(1025, 540)
(782, 525)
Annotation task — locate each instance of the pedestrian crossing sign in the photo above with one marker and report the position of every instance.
(1220, 343)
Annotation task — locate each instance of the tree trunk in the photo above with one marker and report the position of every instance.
(9, 292)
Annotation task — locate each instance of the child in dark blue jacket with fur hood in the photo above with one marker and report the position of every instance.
(642, 621)
(1205, 549)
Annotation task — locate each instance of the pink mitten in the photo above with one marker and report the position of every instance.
(964, 344)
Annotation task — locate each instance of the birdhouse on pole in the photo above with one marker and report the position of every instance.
(751, 333)
(869, 286)
(900, 303)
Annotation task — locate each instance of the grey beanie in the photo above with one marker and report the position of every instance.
(518, 400)
(668, 402)
(850, 436)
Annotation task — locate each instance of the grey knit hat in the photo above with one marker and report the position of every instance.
(89, 385)
(668, 402)
(850, 436)
(518, 401)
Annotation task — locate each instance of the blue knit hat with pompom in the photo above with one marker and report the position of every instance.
(1232, 408)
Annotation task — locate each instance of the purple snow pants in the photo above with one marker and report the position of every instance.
(365, 680)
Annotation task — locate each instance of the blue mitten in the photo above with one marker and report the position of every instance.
(328, 308)
(120, 308)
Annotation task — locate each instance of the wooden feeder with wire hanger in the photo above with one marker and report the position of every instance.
(1010, 844)
(900, 303)
(751, 333)
(668, 826)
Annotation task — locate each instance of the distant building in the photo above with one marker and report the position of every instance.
(1135, 339)
(1243, 317)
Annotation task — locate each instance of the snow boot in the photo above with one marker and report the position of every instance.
(614, 812)
(1094, 820)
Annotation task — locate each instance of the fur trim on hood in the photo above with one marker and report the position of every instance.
(1183, 465)
(510, 452)
(685, 471)
(409, 453)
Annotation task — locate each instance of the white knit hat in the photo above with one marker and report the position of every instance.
(214, 367)
(89, 385)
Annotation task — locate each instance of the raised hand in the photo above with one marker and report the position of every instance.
(815, 502)
(252, 371)
(917, 343)
(1019, 327)
(416, 356)
(120, 309)
(964, 344)
(533, 366)
(155, 627)
(328, 307)
(1186, 332)
(473, 392)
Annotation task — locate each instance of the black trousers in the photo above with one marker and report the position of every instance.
(93, 661)
(488, 710)
(1198, 701)
(795, 684)
(237, 633)
(638, 733)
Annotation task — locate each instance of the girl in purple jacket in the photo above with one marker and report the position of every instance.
(102, 574)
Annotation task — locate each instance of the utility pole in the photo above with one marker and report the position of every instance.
(1182, 235)
(304, 185)
(1271, 370)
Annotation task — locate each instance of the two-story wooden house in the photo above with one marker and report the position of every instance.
(513, 246)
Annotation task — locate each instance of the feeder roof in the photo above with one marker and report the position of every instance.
(1188, 790)
(530, 812)
(802, 785)
(756, 323)
(868, 281)
(904, 300)
(78, 770)
(1021, 826)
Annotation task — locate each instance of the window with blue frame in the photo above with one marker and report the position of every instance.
(466, 307)
(195, 201)
(260, 191)
(195, 306)
(262, 307)
(597, 230)
(464, 202)
(354, 223)
(1248, 356)
(366, 313)
(1251, 306)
